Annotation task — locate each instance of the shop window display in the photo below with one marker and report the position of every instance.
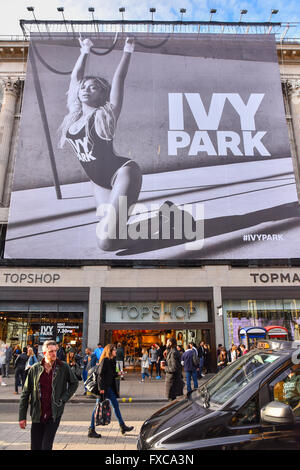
(33, 328)
(260, 313)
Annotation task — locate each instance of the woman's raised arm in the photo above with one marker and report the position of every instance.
(78, 70)
(117, 86)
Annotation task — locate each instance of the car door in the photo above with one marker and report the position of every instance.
(244, 428)
(284, 388)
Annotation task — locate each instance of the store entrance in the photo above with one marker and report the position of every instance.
(133, 341)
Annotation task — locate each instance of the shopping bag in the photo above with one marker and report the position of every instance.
(103, 413)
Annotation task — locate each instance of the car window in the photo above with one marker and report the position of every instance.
(287, 389)
(248, 414)
(232, 379)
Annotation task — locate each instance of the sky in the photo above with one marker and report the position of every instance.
(169, 10)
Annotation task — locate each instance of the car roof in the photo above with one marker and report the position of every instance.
(271, 345)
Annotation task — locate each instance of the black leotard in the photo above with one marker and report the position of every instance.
(96, 155)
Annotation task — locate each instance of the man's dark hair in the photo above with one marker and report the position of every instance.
(25, 350)
(99, 345)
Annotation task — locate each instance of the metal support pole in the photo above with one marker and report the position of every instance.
(40, 99)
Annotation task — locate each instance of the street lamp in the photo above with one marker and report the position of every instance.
(152, 11)
(122, 10)
(182, 11)
(212, 12)
(31, 9)
(243, 12)
(273, 12)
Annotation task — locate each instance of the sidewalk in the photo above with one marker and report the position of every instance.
(72, 435)
(131, 390)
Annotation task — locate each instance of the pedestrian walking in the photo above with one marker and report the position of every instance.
(160, 357)
(32, 359)
(144, 364)
(107, 388)
(234, 353)
(222, 359)
(89, 361)
(153, 356)
(201, 354)
(61, 353)
(20, 365)
(206, 361)
(172, 368)
(190, 362)
(72, 360)
(8, 357)
(98, 351)
(49, 385)
(244, 350)
(2, 362)
(16, 352)
(120, 359)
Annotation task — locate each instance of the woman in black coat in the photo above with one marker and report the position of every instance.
(106, 379)
(173, 370)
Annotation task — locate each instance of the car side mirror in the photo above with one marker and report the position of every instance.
(276, 412)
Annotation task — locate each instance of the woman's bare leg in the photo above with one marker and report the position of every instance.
(124, 194)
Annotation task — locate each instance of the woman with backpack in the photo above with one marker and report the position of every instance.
(107, 388)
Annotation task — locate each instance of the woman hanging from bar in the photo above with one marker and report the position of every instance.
(94, 108)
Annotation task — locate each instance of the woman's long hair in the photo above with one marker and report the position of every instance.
(107, 352)
(107, 122)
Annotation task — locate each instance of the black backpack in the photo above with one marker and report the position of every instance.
(91, 382)
(103, 413)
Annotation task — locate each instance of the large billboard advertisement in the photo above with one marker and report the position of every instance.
(153, 147)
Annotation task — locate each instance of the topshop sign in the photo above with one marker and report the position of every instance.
(150, 312)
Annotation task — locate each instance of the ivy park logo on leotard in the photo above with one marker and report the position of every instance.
(81, 149)
(242, 143)
(166, 223)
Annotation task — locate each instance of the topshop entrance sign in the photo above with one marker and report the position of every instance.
(150, 312)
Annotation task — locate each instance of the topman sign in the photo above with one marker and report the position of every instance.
(276, 278)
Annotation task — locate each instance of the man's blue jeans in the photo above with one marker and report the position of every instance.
(189, 376)
(110, 394)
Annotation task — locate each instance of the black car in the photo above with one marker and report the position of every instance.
(253, 403)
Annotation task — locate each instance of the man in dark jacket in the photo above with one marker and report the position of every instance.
(190, 363)
(8, 356)
(61, 353)
(49, 385)
(20, 365)
(174, 382)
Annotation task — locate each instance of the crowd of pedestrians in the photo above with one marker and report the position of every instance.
(34, 374)
(225, 357)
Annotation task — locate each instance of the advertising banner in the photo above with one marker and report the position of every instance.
(48, 331)
(153, 147)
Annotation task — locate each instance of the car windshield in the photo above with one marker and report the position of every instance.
(234, 378)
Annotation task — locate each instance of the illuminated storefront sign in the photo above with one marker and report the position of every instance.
(160, 312)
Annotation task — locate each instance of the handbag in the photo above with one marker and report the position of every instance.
(103, 413)
(77, 372)
(91, 383)
(195, 360)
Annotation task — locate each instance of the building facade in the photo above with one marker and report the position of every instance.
(139, 304)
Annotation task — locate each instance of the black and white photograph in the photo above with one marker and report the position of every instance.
(143, 147)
